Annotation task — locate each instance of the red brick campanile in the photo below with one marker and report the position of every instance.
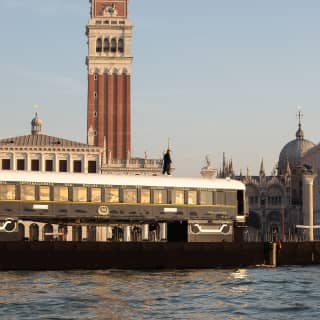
(109, 61)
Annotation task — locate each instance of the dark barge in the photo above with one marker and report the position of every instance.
(26, 255)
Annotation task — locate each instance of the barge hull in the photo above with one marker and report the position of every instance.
(25, 255)
(136, 255)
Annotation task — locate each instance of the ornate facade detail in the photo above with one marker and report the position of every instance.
(110, 11)
(276, 201)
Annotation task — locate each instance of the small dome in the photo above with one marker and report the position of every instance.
(293, 151)
(36, 125)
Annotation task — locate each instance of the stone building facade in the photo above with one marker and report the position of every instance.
(275, 202)
(40, 152)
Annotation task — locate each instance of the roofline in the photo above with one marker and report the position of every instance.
(125, 180)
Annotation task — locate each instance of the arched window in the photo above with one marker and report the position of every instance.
(121, 45)
(113, 45)
(99, 45)
(106, 45)
(48, 232)
(34, 232)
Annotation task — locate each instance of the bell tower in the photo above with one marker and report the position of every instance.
(109, 59)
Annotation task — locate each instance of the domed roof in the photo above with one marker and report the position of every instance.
(293, 151)
(36, 121)
(36, 125)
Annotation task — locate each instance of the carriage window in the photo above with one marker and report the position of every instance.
(95, 194)
(61, 193)
(145, 196)
(28, 192)
(160, 196)
(80, 194)
(220, 197)
(231, 198)
(192, 197)
(44, 193)
(7, 192)
(112, 195)
(205, 197)
(178, 196)
(130, 195)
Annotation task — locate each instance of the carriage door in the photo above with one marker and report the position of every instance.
(178, 231)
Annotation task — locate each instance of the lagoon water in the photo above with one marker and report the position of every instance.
(257, 293)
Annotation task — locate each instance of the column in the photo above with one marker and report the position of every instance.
(69, 233)
(307, 204)
(119, 111)
(84, 233)
(127, 234)
(28, 162)
(163, 231)
(42, 163)
(85, 164)
(41, 231)
(101, 109)
(127, 108)
(91, 102)
(109, 233)
(101, 235)
(110, 114)
(56, 163)
(14, 162)
(145, 232)
(70, 163)
(55, 230)
(27, 229)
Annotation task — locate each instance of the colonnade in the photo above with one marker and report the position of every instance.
(39, 231)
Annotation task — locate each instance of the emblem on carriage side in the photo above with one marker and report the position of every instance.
(103, 210)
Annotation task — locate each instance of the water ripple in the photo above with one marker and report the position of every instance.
(261, 293)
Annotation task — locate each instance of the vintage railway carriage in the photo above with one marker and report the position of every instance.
(94, 207)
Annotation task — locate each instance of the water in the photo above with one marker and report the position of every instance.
(258, 293)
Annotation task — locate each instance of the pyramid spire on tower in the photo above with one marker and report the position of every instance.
(262, 171)
(300, 133)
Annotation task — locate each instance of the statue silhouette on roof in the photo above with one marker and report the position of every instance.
(167, 163)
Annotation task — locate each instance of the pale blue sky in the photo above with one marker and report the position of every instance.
(213, 76)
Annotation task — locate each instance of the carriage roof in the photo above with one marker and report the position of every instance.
(121, 180)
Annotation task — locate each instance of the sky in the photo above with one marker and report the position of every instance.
(213, 76)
